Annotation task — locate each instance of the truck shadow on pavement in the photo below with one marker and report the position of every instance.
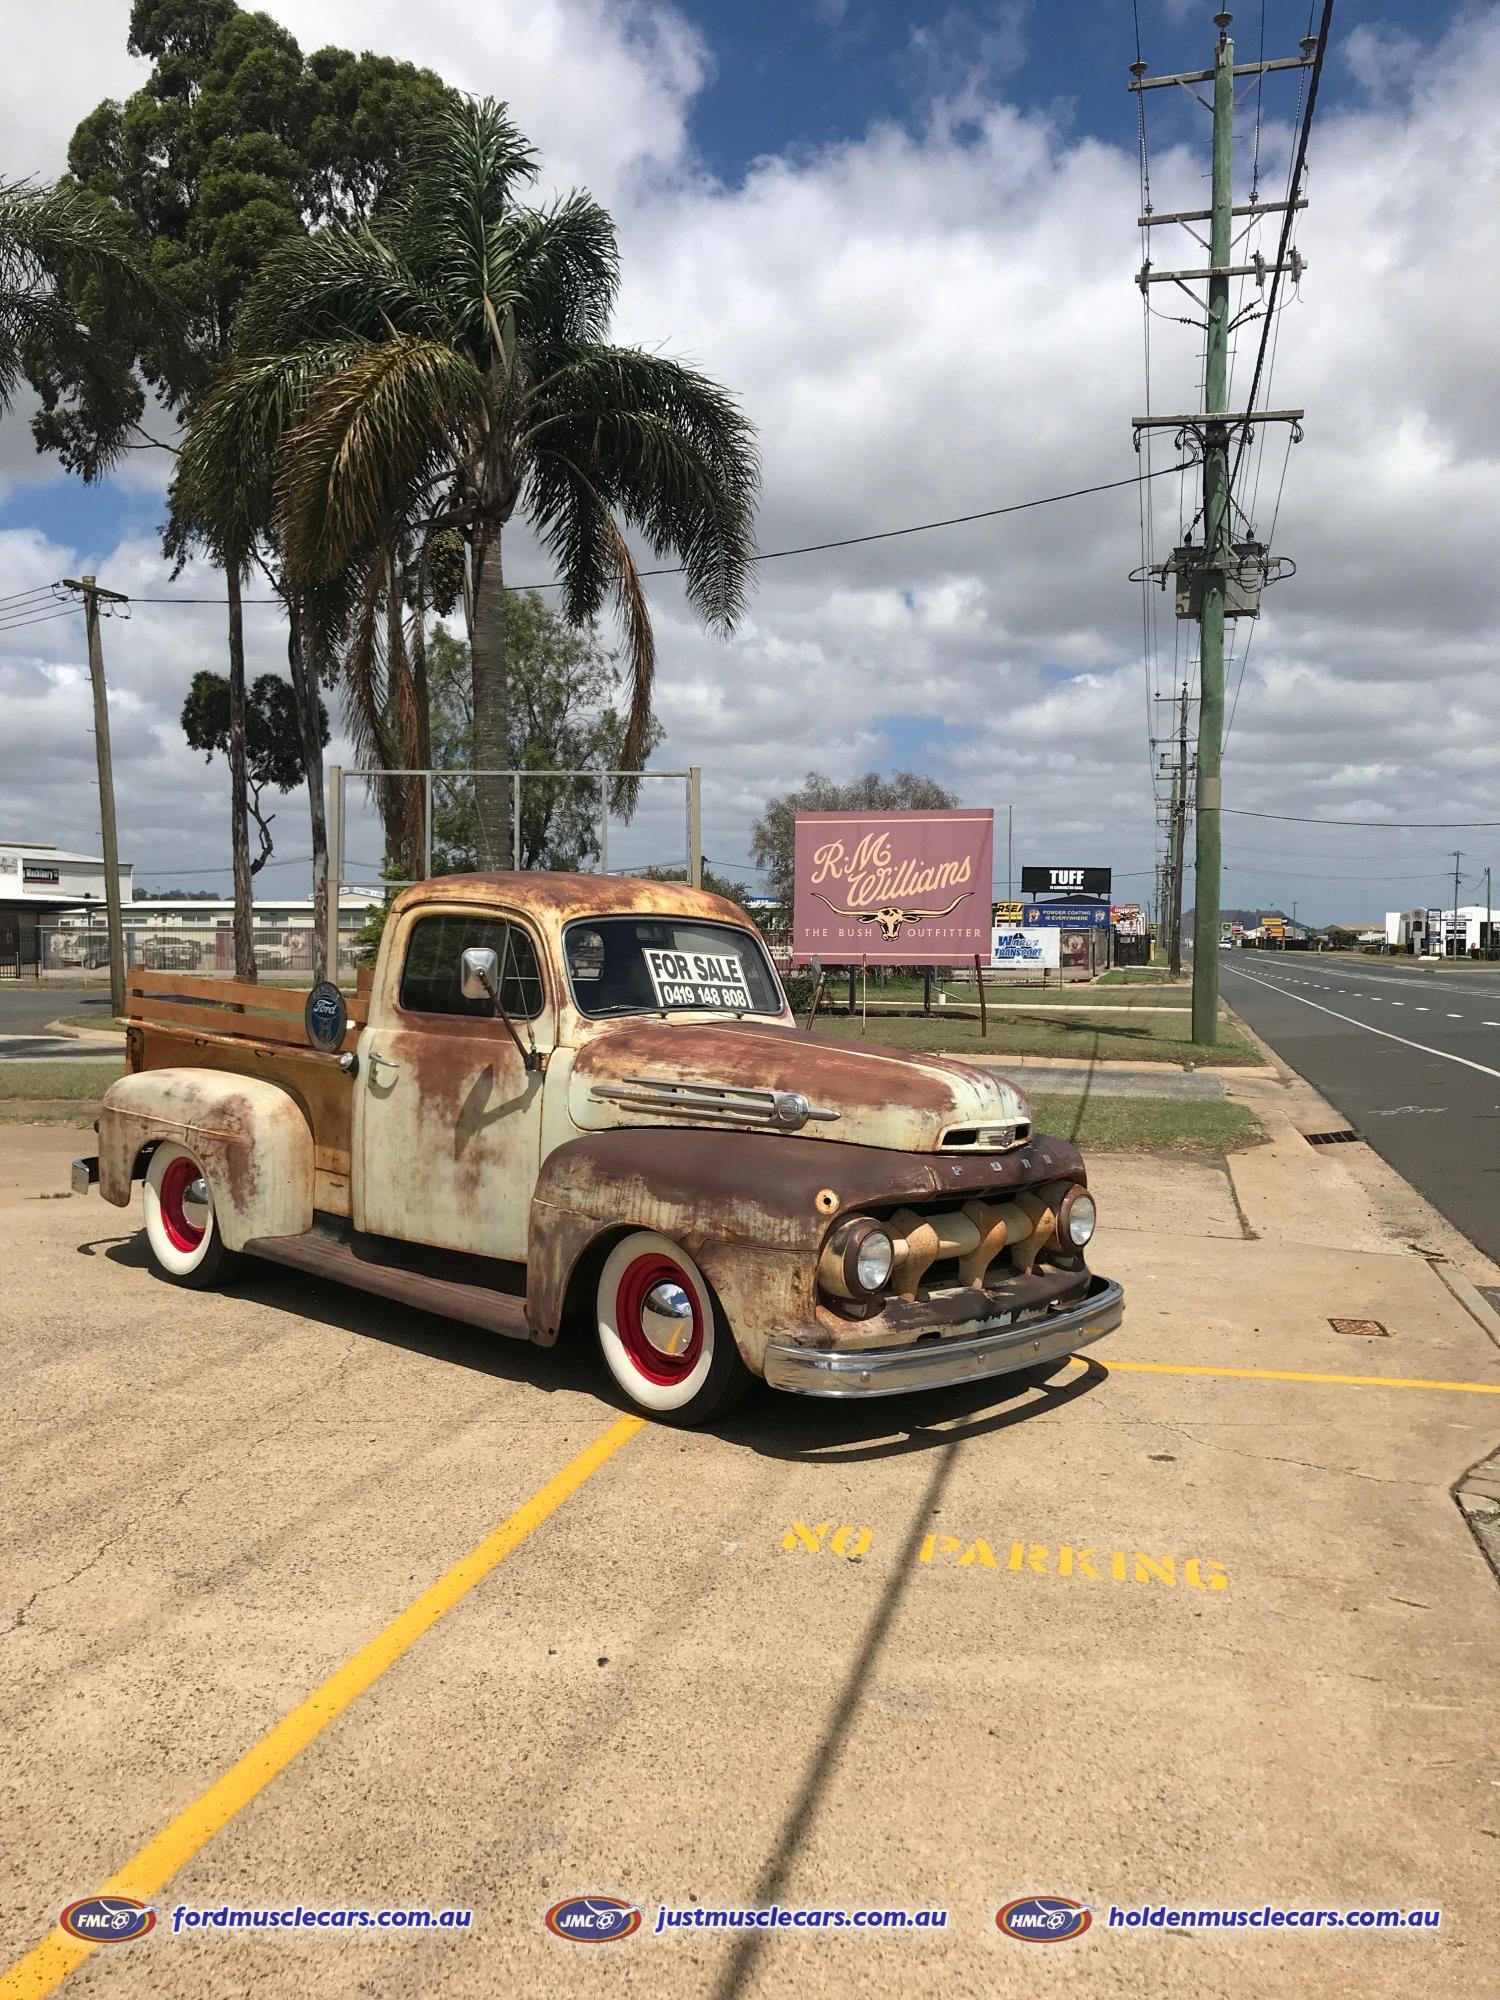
(809, 1430)
(806, 1430)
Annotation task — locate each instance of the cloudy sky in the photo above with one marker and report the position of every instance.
(906, 236)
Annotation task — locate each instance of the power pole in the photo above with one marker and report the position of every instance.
(1179, 831)
(91, 593)
(1457, 863)
(1488, 915)
(1204, 573)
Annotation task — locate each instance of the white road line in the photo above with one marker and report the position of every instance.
(1455, 1017)
(1398, 1003)
(1424, 1010)
(1490, 1024)
(1385, 1033)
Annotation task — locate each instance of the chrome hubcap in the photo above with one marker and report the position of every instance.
(195, 1204)
(667, 1318)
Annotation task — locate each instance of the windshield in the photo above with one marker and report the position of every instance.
(663, 965)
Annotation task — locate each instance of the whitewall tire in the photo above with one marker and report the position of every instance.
(182, 1231)
(662, 1335)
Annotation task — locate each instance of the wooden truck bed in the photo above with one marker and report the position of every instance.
(186, 1021)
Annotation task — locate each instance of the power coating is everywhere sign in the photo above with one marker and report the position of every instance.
(893, 888)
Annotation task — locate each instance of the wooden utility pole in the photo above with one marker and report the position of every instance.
(92, 592)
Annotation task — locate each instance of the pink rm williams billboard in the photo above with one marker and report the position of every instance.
(893, 888)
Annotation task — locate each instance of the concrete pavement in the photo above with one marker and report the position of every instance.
(1409, 1057)
(1142, 1636)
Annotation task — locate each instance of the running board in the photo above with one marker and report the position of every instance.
(355, 1264)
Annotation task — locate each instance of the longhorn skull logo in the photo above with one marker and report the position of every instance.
(890, 919)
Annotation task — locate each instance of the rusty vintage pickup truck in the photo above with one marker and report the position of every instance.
(575, 1098)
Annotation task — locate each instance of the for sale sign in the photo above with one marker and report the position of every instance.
(698, 979)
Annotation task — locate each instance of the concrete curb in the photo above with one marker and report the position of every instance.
(1474, 1304)
(1107, 1064)
(114, 1037)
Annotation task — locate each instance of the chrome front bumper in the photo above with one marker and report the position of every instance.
(939, 1364)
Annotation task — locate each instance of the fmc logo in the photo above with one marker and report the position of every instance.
(1043, 1919)
(108, 1919)
(594, 1919)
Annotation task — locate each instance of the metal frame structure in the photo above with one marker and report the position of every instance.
(338, 776)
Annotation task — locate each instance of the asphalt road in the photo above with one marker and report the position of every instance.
(1410, 1057)
(27, 1007)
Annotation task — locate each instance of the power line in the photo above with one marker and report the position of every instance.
(1299, 163)
(44, 618)
(804, 548)
(1390, 825)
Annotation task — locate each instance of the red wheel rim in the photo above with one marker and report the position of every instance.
(634, 1289)
(171, 1196)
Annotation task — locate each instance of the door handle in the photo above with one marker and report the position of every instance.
(378, 1061)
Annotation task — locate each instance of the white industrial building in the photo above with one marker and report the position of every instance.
(41, 884)
(1451, 933)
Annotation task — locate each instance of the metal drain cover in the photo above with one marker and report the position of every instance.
(1368, 1327)
(1343, 1138)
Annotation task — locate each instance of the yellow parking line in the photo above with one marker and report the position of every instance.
(1278, 1375)
(45, 1967)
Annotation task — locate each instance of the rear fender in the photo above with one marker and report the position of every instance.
(248, 1134)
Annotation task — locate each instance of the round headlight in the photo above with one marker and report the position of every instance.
(874, 1261)
(1078, 1217)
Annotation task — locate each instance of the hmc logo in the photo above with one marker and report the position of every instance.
(594, 1919)
(1043, 1919)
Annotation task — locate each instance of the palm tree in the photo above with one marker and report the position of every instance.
(53, 239)
(447, 365)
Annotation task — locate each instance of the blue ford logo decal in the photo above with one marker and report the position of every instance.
(1044, 1919)
(593, 1919)
(107, 1919)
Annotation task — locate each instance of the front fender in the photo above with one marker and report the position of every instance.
(750, 1208)
(249, 1135)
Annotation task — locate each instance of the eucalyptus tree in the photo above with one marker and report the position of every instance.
(448, 365)
(234, 143)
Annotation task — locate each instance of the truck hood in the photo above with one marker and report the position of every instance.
(749, 1075)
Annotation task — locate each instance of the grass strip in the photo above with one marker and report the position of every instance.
(1060, 1032)
(1147, 1124)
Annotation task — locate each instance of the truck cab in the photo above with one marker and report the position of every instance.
(573, 1100)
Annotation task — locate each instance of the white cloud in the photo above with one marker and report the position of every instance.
(924, 322)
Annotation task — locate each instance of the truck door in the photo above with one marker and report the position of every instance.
(447, 1137)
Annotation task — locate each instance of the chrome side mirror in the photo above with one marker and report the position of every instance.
(480, 974)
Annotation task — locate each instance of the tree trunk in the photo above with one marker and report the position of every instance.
(492, 796)
(305, 688)
(239, 828)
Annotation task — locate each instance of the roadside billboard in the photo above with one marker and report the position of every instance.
(1066, 881)
(1013, 949)
(893, 888)
(1008, 913)
(1067, 916)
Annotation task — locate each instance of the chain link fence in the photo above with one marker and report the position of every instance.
(71, 950)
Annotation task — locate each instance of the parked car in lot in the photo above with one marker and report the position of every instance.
(582, 1100)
